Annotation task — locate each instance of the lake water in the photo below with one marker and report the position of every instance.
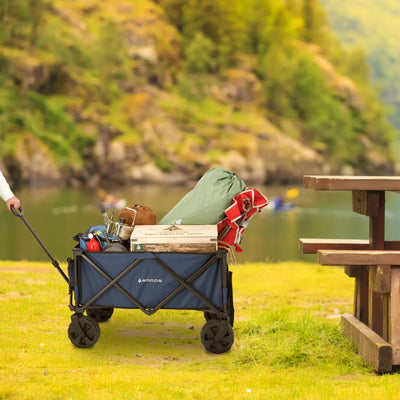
(57, 215)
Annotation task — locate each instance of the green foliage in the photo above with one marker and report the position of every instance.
(269, 23)
(372, 26)
(327, 121)
(199, 54)
(217, 20)
(276, 70)
(315, 22)
(353, 64)
(21, 20)
(110, 70)
(297, 89)
(46, 120)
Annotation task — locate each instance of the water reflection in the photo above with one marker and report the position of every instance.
(57, 215)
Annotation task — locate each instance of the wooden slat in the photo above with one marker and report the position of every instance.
(372, 347)
(331, 182)
(358, 257)
(311, 246)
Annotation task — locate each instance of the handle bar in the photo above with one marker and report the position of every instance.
(20, 213)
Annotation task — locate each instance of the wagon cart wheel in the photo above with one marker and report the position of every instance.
(209, 315)
(100, 314)
(83, 331)
(217, 336)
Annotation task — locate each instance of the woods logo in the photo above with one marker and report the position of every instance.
(149, 280)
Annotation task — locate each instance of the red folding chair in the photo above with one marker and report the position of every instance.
(244, 206)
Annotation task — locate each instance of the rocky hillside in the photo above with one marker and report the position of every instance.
(373, 26)
(94, 92)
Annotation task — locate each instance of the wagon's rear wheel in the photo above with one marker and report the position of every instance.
(83, 331)
(100, 314)
(217, 336)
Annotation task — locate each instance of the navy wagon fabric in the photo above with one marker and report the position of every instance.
(149, 283)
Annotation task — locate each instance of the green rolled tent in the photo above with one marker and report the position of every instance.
(206, 202)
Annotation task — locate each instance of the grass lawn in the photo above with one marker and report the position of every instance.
(288, 343)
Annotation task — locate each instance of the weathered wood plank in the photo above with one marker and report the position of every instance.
(358, 257)
(361, 292)
(372, 347)
(366, 202)
(394, 313)
(380, 278)
(311, 246)
(331, 182)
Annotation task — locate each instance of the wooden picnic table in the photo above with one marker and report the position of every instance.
(374, 263)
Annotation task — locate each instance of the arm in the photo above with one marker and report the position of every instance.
(7, 195)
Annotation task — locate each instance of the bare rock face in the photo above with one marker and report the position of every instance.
(277, 160)
(237, 86)
(147, 173)
(35, 163)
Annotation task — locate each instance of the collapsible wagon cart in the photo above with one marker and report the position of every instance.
(101, 281)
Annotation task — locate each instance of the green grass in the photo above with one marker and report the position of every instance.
(288, 343)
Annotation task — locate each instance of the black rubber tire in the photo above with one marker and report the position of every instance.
(217, 336)
(209, 315)
(89, 334)
(100, 314)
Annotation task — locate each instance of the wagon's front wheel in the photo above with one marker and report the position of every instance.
(217, 336)
(83, 331)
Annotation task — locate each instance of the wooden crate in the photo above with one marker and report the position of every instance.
(175, 238)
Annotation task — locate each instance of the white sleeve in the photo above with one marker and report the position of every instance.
(5, 191)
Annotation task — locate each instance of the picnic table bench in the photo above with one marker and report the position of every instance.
(374, 263)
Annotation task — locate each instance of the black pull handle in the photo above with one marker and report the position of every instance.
(18, 213)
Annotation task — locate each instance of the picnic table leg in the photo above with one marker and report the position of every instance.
(361, 307)
(377, 220)
(394, 326)
(379, 293)
(377, 302)
(361, 290)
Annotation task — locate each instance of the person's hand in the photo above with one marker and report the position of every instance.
(14, 201)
